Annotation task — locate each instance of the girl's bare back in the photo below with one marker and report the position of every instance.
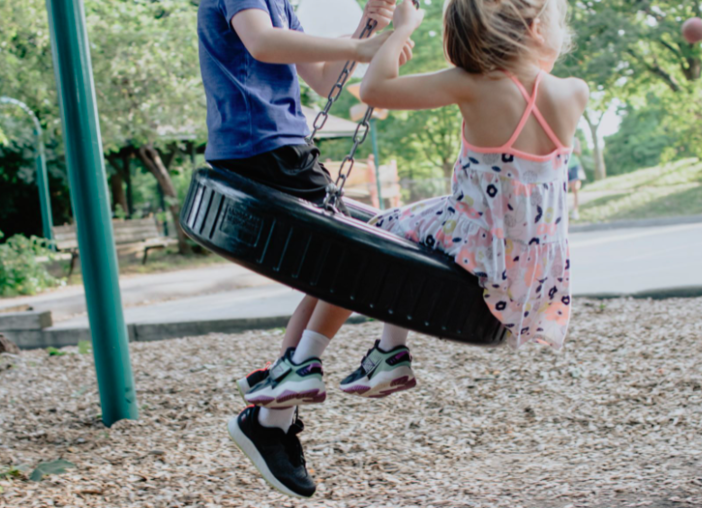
(495, 107)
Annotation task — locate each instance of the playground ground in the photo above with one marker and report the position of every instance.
(615, 420)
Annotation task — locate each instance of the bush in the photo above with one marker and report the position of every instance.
(21, 273)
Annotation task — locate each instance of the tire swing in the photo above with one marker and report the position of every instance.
(338, 259)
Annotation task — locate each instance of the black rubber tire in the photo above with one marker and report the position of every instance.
(337, 259)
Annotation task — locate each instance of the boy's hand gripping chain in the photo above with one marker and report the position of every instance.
(335, 190)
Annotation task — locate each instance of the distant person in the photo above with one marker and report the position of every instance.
(576, 175)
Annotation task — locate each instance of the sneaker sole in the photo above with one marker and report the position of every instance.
(289, 395)
(382, 385)
(243, 386)
(249, 449)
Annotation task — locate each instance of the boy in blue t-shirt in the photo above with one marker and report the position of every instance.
(251, 52)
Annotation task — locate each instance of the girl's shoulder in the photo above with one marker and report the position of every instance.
(571, 93)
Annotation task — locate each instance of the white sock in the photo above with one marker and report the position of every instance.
(281, 418)
(392, 337)
(312, 345)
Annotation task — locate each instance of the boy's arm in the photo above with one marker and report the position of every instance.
(269, 44)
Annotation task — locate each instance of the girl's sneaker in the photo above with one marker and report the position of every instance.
(381, 373)
(289, 384)
(252, 379)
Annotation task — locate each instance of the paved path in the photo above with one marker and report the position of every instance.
(139, 290)
(271, 300)
(637, 259)
(228, 297)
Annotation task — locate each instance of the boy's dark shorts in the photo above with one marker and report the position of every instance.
(293, 169)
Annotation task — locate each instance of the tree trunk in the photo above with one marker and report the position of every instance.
(118, 195)
(127, 175)
(152, 160)
(600, 169)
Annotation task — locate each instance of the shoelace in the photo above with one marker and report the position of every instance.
(292, 445)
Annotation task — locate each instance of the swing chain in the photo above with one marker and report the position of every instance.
(335, 190)
(338, 87)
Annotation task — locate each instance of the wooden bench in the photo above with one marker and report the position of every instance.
(125, 232)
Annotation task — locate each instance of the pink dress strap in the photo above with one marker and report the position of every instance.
(531, 108)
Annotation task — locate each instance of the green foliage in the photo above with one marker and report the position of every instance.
(46, 468)
(119, 212)
(20, 211)
(20, 271)
(148, 88)
(640, 141)
(55, 352)
(674, 174)
(12, 472)
(667, 190)
(85, 347)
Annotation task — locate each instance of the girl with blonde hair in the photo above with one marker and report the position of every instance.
(506, 220)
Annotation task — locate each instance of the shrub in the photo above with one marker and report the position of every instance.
(21, 272)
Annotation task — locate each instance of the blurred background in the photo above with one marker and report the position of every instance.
(640, 136)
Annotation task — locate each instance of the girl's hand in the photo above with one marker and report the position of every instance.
(407, 16)
(379, 10)
(367, 48)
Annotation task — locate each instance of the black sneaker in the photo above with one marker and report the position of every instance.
(252, 379)
(277, 456)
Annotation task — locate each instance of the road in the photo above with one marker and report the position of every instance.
(637, 259)
(620, 261)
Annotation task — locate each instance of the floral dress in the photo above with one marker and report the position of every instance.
(506, 222)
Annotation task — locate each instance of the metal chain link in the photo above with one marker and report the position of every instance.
(335, 190)
(338, 87)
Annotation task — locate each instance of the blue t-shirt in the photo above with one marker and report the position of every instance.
(252, 107)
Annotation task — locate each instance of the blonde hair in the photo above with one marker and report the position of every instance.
(486, 35)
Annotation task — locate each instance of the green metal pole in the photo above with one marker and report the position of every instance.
(47, 222)
(91, 208)
(374, 138)
(43, 184)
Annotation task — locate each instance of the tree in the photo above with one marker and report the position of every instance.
(149, 65)
(145, 66)
(629, 49)
(642, 140)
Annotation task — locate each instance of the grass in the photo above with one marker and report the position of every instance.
(668, 190)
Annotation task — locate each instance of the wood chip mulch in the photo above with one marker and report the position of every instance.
(614, 420)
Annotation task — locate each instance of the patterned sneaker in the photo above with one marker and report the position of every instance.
(252, 379)
(381, 373)
(277, 456)
(289, 384)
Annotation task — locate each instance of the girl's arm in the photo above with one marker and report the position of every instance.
(383, 87)
(322, 76)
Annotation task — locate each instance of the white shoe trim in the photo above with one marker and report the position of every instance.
(308, 385)
(243, 386)
(380, 382)
(250, 450)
